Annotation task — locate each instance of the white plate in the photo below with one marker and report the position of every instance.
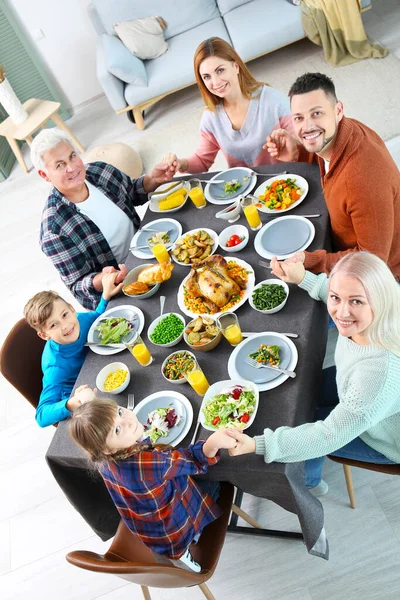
(248, 290)
(168, 399)
(229, 199)
(216, 388)
(153, 204)
(265, 379)
(284, 237)
(141, 236)
(210, 232)
(128, 311)
(300, 181)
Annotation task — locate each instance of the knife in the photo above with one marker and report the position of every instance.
(105, 345)
(251, 333)
(166, 192)
(196, 431)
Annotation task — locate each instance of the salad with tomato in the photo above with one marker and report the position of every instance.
(232, 407)
(234, 240)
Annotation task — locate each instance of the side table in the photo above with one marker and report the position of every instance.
(39, 111)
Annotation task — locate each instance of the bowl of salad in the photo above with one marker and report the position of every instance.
(269, 296)
(175, 365)
(229, 404)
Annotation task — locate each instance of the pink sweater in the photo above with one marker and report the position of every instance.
(268, 110)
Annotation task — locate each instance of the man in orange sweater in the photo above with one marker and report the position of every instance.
(361, 182)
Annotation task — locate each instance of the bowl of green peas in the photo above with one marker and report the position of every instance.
(167, 330)
(269, 296)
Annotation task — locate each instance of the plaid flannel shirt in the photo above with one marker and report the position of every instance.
(158, 500)
(74, 244)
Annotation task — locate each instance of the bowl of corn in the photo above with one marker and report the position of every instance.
(113, 378)
(166, 203)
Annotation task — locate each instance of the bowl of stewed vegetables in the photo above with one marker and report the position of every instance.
(113, 378)
(176, 364)
(202, 334)
(269, 296)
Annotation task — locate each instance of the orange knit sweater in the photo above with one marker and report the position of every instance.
(362, 193)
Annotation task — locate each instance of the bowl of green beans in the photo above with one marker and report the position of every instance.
(176, 364)
(269, 296)
(167, 330)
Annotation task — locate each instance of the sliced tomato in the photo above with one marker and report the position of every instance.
(245, 418)
(216, 420)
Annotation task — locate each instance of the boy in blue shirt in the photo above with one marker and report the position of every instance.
(65, 332)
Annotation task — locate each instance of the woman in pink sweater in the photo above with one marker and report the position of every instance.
(241, 111)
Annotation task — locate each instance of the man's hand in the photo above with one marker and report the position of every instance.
(159, 174)
(175, 163)
(291, 270)
(244, 443)
(110, 288)
(282, 146)
(98, 279)
(217, 440)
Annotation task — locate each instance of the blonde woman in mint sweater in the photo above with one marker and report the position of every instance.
(359, 410)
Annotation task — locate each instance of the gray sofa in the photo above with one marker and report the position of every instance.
(253, 27)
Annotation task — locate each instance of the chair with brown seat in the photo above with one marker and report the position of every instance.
(348, 462)
(20, 361)
(130, 559)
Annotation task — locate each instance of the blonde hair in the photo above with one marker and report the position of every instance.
(39, 308)
(383, 295)
(216, 46)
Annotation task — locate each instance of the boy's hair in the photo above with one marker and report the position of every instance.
(309, 82)
(39, 308)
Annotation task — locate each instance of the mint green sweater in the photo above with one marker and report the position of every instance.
(369, 402)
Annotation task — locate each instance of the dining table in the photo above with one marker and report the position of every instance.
(290, 404)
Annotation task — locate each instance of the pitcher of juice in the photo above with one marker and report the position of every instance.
(196, 193)
(161, 253)
(197, 379)
(230, 328)
(251, 213)
(139, 350)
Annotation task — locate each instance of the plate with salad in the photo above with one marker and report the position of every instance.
(267, 347)
(167, 232)
(280, 194)
(167, 417)
(231, 403)
(117, 325)
(237, 181)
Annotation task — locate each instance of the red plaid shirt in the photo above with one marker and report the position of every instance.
(157, 498)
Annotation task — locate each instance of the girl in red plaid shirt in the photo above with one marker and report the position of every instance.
(151, 487)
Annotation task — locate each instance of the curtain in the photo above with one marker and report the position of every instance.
(336, 25)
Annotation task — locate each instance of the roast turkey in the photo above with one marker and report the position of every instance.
(210, 280)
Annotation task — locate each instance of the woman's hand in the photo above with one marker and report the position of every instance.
(110, 286)
(282, 145)
(244, 443)
(159, 174)
(173, 162)
(291, 270)
(217, 440)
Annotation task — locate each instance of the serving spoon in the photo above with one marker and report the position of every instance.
(162, 302)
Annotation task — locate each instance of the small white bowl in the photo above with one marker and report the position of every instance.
(132, 277)
(277, 308)
(176, 381)
(101, 377)
(230, 213)
(154, 324)
(224, 236)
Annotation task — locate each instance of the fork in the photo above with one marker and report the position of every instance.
(131, 401)
(257, 365)
(267, 174)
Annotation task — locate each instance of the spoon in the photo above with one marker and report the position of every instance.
(162, 302)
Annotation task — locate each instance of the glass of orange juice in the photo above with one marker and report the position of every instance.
(196, 193)
(161, 253)
(229, 325)
(139, 350)
(197, 379)
(251, 213)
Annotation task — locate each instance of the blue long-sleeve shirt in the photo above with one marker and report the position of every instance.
(61, 364)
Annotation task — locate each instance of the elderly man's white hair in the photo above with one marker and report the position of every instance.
(46, 140)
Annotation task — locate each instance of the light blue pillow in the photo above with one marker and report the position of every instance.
(122, 64)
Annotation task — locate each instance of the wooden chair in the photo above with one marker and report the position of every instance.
(130, 559)
(348, 462)
(20, 361)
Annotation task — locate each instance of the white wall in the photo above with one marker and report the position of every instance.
(68, 48)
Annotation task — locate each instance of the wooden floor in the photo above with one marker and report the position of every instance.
(37, 524)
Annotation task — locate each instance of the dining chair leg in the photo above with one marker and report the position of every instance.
(145, 592)
(206, 591)
(349, 484)
(243, 515)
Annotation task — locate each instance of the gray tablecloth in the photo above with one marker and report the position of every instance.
(292, 403)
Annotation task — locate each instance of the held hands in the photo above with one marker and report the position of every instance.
(244, 444)
(82, 394)
(217, 440)
(159, 174)
(110, 280)
(173, 162)
(290, 270)
(282, 146)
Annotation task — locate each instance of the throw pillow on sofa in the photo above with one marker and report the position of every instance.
(122, 64)
(143, 37)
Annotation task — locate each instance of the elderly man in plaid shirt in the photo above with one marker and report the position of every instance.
(89, 218)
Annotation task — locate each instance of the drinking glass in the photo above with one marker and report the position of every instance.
(196, 194)
(251, 213)
(197, 379)
(139, 350)
(160, 252)
(229, 325)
